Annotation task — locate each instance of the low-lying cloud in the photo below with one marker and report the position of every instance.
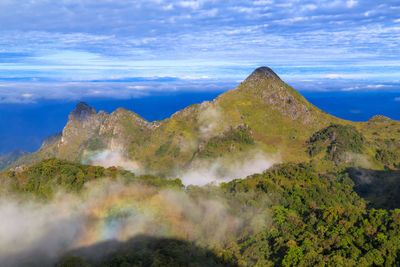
(357, 159)
(31, 92)
(210, 119)
(225, 169)
(35, 233)
(109, 158)
(201, 171)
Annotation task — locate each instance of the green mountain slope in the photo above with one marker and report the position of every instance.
(262, 114)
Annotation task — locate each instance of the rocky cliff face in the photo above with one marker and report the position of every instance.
(81, 112)
(83, 123)
(49, 141)
(87, 129)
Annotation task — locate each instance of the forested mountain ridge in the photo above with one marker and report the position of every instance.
(265, 113)
(290, 215)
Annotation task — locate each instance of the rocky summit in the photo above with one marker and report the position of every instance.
(265, 72)
(81, 112)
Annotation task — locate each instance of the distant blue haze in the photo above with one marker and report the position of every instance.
(24, 126)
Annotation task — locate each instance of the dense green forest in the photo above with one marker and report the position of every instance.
(292, 216)
(42, 179)
(335, 140)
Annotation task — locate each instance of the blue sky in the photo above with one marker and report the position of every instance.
(72, 49)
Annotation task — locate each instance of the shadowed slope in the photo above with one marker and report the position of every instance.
(144, 251)
(380, 188)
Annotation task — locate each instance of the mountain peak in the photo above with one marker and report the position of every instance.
(82, 111)
(266, 72)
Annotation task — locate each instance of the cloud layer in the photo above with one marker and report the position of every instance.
(89, 40)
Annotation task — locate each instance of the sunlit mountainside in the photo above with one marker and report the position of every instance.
(191, 133)
(262, 118)
(257, 177)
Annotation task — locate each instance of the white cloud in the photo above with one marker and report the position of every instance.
(243, 9)
(350, 88)
(351, 3)
(226, 169)
(263, 2)
(309, 7)
(190, 4)
(397, 99)
(138, 87)
(168, 7)
(369, 13)
(334, 76)
(289, 21)
(109, 158)
(284, 5)
(366, 86)
(376, 86)
(28, 92)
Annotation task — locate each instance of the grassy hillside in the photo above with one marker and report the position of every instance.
(279, 121)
